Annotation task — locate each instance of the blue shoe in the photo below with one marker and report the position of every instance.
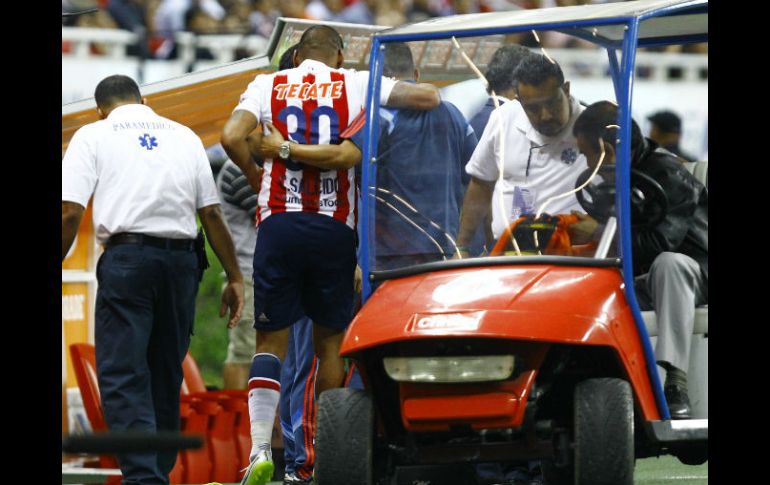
(260, 470)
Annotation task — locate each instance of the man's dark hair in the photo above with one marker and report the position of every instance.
(398, 60)
(319, 39)
(502, 66)
(287, 59)
(535, 69)
(667, 121)
(116, 88)
(593, 121)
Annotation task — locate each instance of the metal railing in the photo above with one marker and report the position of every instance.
(116, 42)
(585, 63)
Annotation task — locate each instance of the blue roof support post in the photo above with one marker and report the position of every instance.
(369, 166)
(612, 55)
(623, 200)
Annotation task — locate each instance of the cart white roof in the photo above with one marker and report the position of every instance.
(659, 19)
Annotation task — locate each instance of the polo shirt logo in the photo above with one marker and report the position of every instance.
(148, 142)
(569, 156)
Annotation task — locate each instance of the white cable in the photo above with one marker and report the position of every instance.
(542, 49)
(430, 222)
(578, 189)
(443, 254)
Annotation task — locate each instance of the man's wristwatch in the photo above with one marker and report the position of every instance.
(283, 150)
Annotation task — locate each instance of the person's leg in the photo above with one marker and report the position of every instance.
(288, 370)
(177, 287)
(242, 342)
(303, 402)
(123, 323)
(327, 296)
(331, 367)
(265, 386)
(277, 281)
(675, 284)
(353, 378)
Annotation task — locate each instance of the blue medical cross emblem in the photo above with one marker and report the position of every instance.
(148, 142)
(569, 156)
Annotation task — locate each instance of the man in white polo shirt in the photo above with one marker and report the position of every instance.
(541, 158)
(148, 176)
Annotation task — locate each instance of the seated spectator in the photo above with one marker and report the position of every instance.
(236, 20)
(670, 258)
(324, 9)
(170, 18)
(359, 12)
(389, 12)
(262, 18)
(666, 131)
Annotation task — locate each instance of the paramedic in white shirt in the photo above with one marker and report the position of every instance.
(541, 158)
(149, 177)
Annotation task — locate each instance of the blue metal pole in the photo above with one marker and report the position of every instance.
(612, 55)
(623, 200)
(369, 167)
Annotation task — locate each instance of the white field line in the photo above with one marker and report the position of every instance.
(691, 477)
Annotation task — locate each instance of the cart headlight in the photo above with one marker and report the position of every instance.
(477, 368)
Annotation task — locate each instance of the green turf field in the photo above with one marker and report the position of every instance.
(665, 470)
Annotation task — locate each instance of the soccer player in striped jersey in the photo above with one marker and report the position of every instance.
(305, 253)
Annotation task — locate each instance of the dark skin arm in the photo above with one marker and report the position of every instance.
(71, 214)
(585, 230)
(218, 235)
(331, 157)
(234, 141)
(422, 96)
(477, 207)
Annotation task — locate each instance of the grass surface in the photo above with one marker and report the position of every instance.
(208, 345)
(665, 470)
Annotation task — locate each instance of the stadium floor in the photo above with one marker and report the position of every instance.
(665, 470)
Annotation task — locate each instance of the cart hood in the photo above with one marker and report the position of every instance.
(545, 302)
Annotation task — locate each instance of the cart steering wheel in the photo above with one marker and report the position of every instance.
(649, 202)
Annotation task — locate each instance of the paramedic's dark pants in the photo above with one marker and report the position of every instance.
(144, 314)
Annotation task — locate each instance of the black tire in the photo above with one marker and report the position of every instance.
(344, 438)
(604, 432)
(696, 454)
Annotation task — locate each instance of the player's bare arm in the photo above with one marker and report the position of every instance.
(234, 141)
(331, 157)
(71, 213)
(414, 95)
(221, 242)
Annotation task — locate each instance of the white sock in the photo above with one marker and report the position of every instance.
(263, 403)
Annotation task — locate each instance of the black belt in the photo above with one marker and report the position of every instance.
(157, 242)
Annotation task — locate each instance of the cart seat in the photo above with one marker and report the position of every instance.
(701, 321)
(700, 170)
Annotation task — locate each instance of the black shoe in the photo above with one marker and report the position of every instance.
(678, 402)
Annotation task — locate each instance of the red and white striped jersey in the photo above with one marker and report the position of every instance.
(310, 104)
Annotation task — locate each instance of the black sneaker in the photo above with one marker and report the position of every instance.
(678, 402)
